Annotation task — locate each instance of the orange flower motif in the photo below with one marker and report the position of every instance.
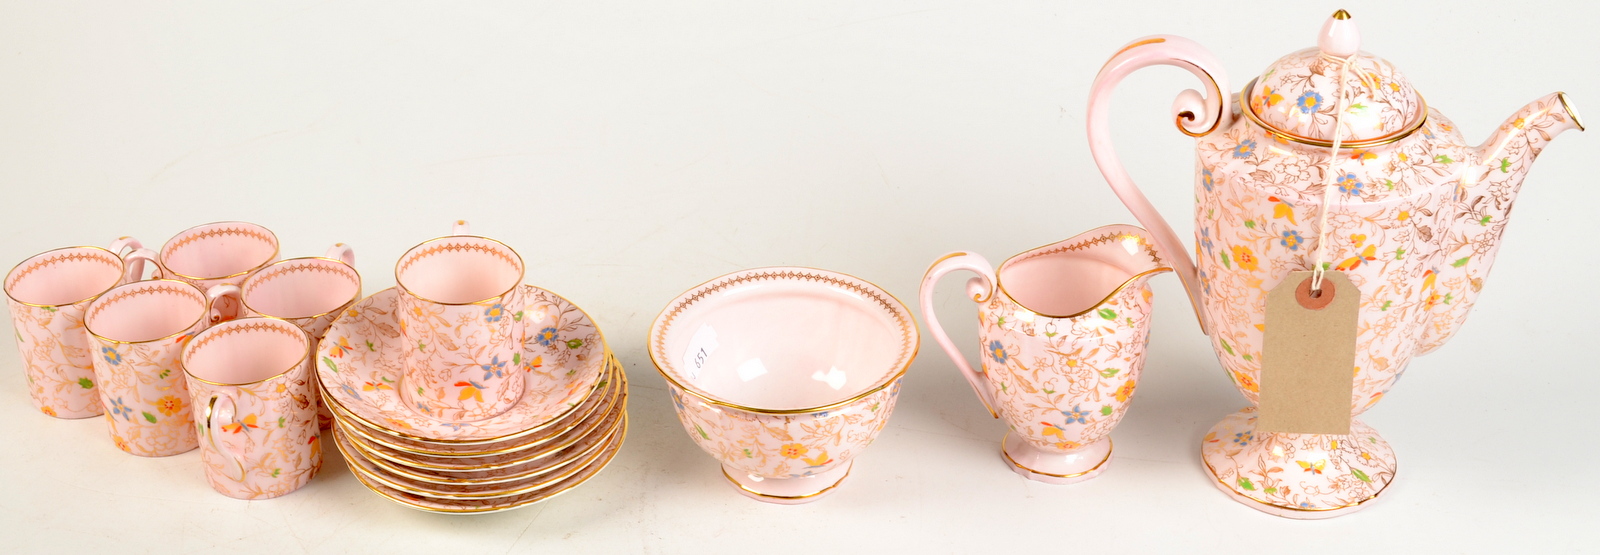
(123, 445)
(48, 410)
(1068, 445)
(1246, 382)
(793, 451)
(169, 405)
(1246, 258)
(1125, 392)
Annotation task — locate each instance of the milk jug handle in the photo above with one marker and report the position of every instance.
(1196, 115)
(979, 289)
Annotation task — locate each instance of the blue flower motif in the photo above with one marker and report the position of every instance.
(1307, 505)
(111, 355)
(1243, 438)
(1245, 149)
(1077, 414)
(351, 391)
(1292, 240)
(119, 409)
(1348, 184)
(494, 313)
(1308, 102)
(1205, 240)
(495, 368)
(1205, 179)
(546, 337)
(997, 351)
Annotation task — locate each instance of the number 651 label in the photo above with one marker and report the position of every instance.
(700, 348)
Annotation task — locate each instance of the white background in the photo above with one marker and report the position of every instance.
(630, 150)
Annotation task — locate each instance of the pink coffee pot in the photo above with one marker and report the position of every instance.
(1329, 158)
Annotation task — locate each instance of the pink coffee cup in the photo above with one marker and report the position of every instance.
(251, 382)
(460, 313)
(309, 292)
(48, 294)
(221, 253)
(138, 330)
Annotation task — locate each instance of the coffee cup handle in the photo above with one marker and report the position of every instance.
(215, 315)
(211, 424)
(135, 262)
(980, 289)
(461, 227)
(135, 257)
(342, 253)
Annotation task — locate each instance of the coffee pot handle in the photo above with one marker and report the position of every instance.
(1195, 116)
(980, 289)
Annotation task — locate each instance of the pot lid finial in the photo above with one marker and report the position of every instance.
(1297, 96)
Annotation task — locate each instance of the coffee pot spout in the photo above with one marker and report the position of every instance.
(1483, 207)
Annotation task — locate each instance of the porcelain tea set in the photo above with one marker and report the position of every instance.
(461, 390)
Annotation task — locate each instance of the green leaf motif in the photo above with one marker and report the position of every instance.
(1271, 490)
(1505, 165)
(574, 343)
(1460, 263)
(329, 363)
(1105, 410)
(516, 358)
(1399, 254)
(1108, 314)
(1248, 357)
(275, 472)
(1444, 159)
(1386, 305)
(1049, 334)
(1360, 475)
(1109, 372)
(1247, 484)
(1484, 221)
(371, 347)
(163, 373)
(1225, 263)
(517, 316)
(150, 417)
(748, 454)
(702, 432)
(86, 383)
(1049, 391)
(1226, 346)
(1250, 224)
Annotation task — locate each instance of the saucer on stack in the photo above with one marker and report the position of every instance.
(568, 426)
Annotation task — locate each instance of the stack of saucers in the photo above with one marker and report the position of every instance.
(568, 425)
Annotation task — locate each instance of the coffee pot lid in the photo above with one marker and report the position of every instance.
(1297, 98)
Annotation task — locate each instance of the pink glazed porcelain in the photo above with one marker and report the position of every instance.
(221, 253)
(1413, 214)
(139, 330)
(463, 333)
(309, 292)
(251, 379)
(1063, 330)
(48, 294)
(784, 374)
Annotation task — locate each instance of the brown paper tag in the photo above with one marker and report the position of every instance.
(1308, 357)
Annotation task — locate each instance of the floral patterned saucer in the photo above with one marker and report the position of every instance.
(361, 357)
(612, 385)
(560, 459)
(495, 505)
(507, 461)
(456, 495)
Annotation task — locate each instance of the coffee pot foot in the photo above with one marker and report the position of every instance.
(1055, 467)
(1299, 476)
(787, 491)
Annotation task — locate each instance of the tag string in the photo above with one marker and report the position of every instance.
(1319, 269)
